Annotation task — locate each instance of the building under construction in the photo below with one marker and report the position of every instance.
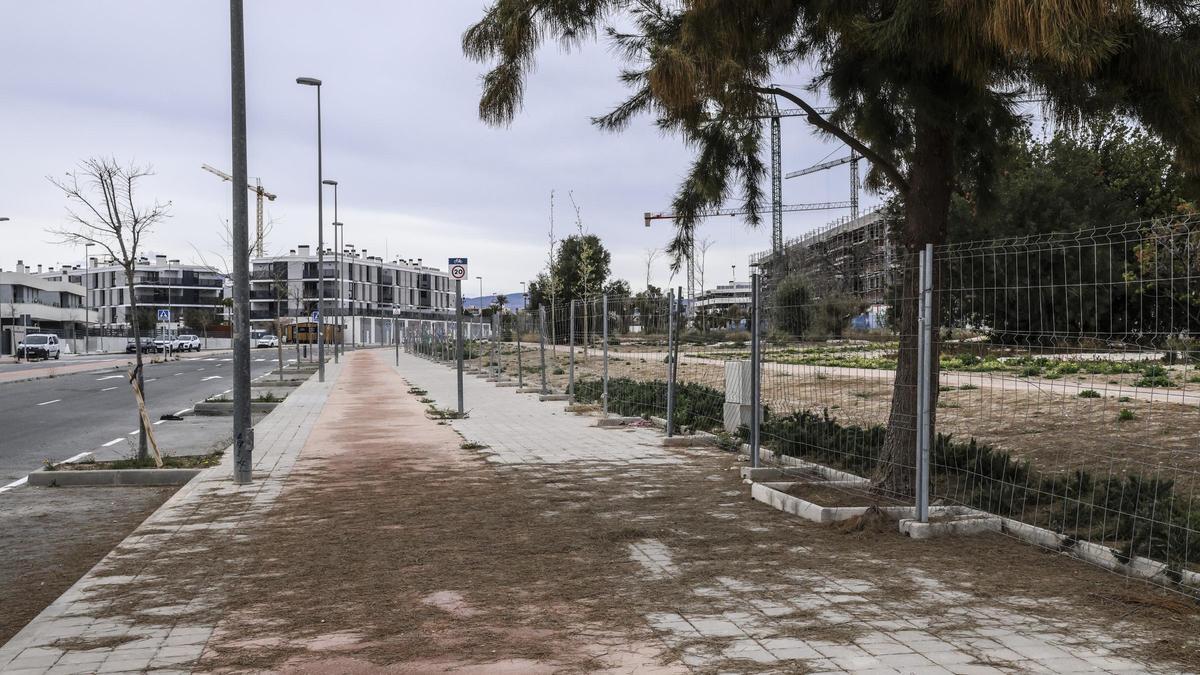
(849, 255)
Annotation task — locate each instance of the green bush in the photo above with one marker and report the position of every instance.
(1154, 376)
(1089, 393)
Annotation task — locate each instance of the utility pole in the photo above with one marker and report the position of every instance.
(314, 82)
(243, 430)
(336, 224)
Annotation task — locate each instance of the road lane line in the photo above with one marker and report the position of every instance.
(49, 402)
(199, 369)
(177, 374)
(108, 389)
(183, 411)
(108, 377)
(226, 391)
(152, 379)
(15, 484)
(159, 422)
(112, 442)
(210, 377)
(135, 432)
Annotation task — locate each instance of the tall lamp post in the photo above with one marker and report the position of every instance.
(339, 242)
(338, 301)
(314, 82)
(87, 295)
(243, 428)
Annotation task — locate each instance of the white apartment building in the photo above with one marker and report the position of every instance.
(30, 303)
(724, 297)
(363, 293)
(160, 283)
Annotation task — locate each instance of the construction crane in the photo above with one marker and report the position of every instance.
(852, 160)
(259, 192)
(777, 209)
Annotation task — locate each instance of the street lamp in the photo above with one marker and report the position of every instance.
(313, 82)
(336, 224)
(339, 239)
(87, 295)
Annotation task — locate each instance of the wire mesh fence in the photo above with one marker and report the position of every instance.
(1068, 391)
(1045, 384)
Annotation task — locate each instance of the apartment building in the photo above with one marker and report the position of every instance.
(363, 293)
(159, 283)
(30, 303)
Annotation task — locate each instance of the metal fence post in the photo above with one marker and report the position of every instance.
(604, 395)
(495, 345)
(520, 365)
(924, 384)
(755, 374)
(571, 356)
(670, 363)
(396, 337)
(542, 334)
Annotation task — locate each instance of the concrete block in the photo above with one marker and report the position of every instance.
(737, 415)
(554, 397)
(950, 525)
(111, 477)
(690, 441)
(737, 382)
(225, 409)
(506, 384)
(775, 495)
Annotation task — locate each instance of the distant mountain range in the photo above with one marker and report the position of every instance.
(515, 301)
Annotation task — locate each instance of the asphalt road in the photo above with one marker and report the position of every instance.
(56, 418)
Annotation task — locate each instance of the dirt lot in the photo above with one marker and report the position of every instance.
(49, 537)
(391, 560)
(1046, 422)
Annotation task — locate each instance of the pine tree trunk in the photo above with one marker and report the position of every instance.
(143, 454)
(926, 210)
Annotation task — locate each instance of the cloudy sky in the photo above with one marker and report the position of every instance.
(421, 176)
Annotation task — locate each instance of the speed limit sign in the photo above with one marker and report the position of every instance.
(458, 268)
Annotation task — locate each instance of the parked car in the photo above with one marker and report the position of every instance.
(147, 346)
(266, 341)
(39, 346)
(186, 343)
(164, 345)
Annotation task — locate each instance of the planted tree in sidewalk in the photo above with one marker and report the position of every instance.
(925, 91)
(103, 210)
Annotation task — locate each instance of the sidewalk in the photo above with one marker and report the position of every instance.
(371, 542)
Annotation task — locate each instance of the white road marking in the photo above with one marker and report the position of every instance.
(108, 377)
(108, 389)
(183, 411)
(159, 422)
(49, 402)
(18, 483)
(259, 360)
(112, 442)
(15, 484)
(210, 377)
(178, 374)
(226, 359)
(152, 379)
(226, 391)
(135, 432)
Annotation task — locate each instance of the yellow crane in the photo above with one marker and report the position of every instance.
(259, 192)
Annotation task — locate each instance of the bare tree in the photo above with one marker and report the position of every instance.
(651, 255)
(703, 245)
(102, 210)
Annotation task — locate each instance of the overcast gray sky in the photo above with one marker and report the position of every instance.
(421, 176)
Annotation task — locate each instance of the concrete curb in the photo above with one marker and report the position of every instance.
(110, 477)
(222, 409)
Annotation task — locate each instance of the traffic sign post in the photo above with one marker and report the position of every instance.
(459, 272)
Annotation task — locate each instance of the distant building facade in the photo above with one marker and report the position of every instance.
(159, 283)
(30, 303)
(363, 293)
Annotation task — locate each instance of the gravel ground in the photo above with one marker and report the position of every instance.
(49, 537)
